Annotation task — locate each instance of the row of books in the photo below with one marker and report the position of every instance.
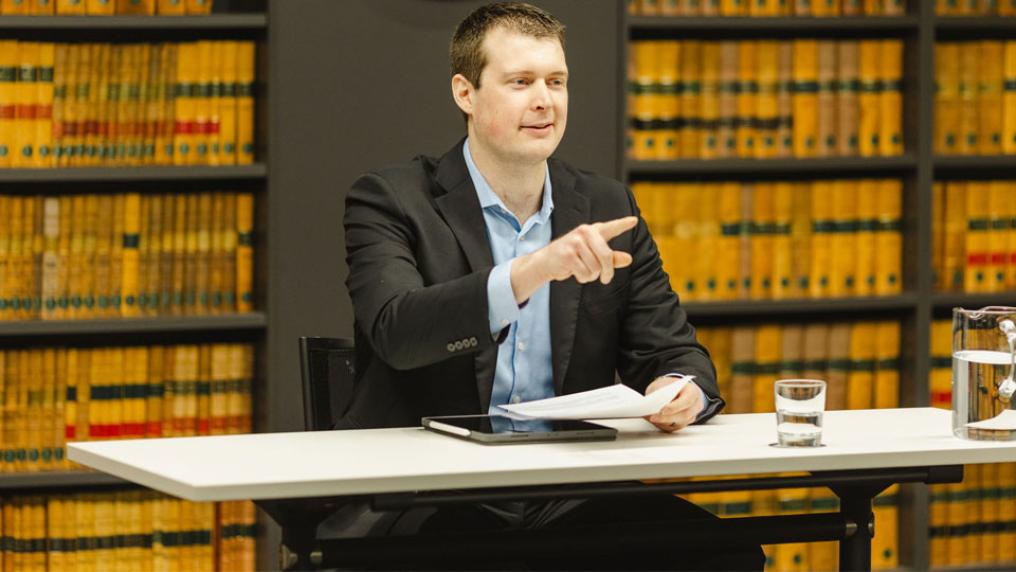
(858, 360)
(104, 7)
(975, 7)
(84, 104)
(125, 255)
(972, 523)
(126, 530)
(54, 395)
(782, 240)
(974, 236)
(765, 98)
(860, 363)
(975, 98)
(764, 8)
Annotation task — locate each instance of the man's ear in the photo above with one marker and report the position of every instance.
(462, 93)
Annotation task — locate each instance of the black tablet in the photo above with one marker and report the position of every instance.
(499, 429)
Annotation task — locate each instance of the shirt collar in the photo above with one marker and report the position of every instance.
(489, 199)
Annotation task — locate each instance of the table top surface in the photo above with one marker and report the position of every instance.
(327, 463)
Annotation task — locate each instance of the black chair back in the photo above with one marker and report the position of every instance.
(327, 369)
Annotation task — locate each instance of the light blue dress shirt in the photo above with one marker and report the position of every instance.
(524, 370)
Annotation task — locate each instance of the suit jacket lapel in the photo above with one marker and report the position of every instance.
(461, 209)
(570, 210)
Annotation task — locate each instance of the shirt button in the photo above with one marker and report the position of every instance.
(505, 322)
(522, 346)
(516, 399)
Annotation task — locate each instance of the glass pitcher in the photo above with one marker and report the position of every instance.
(983, 361)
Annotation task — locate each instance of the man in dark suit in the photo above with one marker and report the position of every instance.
(496, 274)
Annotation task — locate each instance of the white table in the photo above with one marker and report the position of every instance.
(392, 462)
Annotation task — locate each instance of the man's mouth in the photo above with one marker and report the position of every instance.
(538, 126)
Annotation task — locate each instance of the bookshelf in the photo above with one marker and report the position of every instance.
(918, 167)
(233, 20)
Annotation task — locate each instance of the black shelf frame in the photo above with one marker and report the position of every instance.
(838, 166)
(226, 22)
(799, 26)
(55, 481)
(255, 172)
(903, 303)
(253, 321)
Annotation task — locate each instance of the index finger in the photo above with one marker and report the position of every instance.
(612, 228)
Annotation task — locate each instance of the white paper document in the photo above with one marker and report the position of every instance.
(1006, 421)
(603, 403)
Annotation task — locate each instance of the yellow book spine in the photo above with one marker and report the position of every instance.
(70, 7)
(885, 544)
(9, 100)
(864, 242)
(861, 377)
(100, 7)
(998, 235)
(843, 238)
(129, 285)
(968, 94)
(171, 7)
(792, 556)
(664, 100)
(1011, 209)
(26, 104)
(199, 7)
(822, 228)
(805, 98)
(989, 97)
(245, 252)
(747, 98)
(1009, 98)
(690, 78)
(729, 215)
(43, 136)
(977, 245)
(767, 359)
(154, 394)
(954, 247)
(709, 147)
(185, 102)
(768, 110)
(15, 241)
(887, 373)
(848, 89)
(245, 90)
(135, 7)
(869, 109)
(940, 389)
(825, 127)
(202, 92)
(989, 500)
(763, 223)
(642, 97)
(890, 98)
(938, 235)
(1007, 511)
(888, 251)
(203, 390)
(782, 240)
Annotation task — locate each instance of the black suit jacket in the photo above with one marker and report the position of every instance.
(419, 259)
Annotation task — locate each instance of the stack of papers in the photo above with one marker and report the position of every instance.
(604, 403)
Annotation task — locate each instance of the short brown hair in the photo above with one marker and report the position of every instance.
(467, 55)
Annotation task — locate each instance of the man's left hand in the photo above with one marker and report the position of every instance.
(680, 412)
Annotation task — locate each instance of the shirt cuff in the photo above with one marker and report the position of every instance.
(706, 400)
(501, 307)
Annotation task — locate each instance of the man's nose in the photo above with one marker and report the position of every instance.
(541, 95)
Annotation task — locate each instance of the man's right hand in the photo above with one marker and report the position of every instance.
(583, 253)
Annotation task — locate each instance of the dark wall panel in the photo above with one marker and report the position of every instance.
(358, 84)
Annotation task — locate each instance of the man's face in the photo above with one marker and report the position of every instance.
(520, 111)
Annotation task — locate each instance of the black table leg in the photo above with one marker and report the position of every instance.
(855, 506)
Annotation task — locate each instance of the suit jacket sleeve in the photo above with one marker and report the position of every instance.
(409, 323)
(656, 337)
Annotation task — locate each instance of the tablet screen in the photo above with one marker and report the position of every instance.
(501, 429)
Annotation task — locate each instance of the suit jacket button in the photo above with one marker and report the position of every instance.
(472, 342)
(450, 347)
(458, 345)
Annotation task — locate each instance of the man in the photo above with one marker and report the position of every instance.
(497, 275)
